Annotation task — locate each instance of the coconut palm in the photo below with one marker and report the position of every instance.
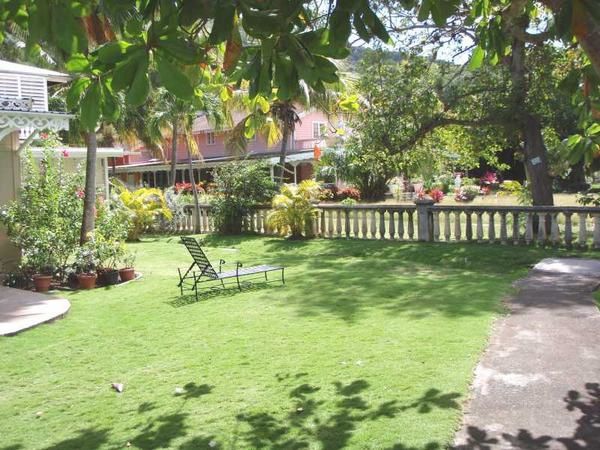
(277, 118)
(172, 117)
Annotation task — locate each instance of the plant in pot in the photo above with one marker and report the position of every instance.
(41, 264)
(85, 265)
(127, 272)
(108, 252)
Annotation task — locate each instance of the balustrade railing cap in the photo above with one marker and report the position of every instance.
(424, 201)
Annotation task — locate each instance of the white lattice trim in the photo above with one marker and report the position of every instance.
(17, 120)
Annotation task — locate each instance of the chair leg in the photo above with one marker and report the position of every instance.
(238, 282)
(282, 276)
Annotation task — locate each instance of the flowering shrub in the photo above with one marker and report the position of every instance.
(348, 192)
(45, 221)
(187, 188)
(348, 202)
(467, 194)
(489, 178)
(437, 195)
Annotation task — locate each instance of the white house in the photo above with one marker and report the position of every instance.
(24, 112)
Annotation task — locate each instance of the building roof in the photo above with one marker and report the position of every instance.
(24, 69)
(80, 152)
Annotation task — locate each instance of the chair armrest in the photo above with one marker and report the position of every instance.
(237, 266)
(222, 262)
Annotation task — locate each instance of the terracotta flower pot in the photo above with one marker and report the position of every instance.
(86, 280)
(42, 282)
(127, 274)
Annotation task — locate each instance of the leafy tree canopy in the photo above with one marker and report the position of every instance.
(281, 44)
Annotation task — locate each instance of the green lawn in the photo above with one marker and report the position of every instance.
(370, 345)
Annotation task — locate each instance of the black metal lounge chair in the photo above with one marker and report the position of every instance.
(206, 273)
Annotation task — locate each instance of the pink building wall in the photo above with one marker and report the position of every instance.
(303, 140)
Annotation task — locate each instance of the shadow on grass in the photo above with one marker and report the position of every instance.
(219, 291)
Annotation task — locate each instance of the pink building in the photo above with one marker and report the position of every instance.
(316, 129)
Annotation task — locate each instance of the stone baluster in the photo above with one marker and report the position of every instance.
(596, 243)
(355, 223)
(330, 223)
(436, 225)
(259, 229)
(322, 224)
(541, 236)
(338, 223)
(401, 224)
(469, 226)
(411, 225)
(568, 230)
(373, 224)
(392, 224)
(529, 229)
(479, 226)
(554, 229)
(503, 228)
(365, 228)
(347, 223)
(382, 224)
(447, 233)
(457, 226)
(582, 241)
(491, 227)
(515, 228)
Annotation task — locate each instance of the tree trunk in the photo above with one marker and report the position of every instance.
(536, 155)
(194, 191)
(536, 162)
(89, 201)
(283, 152)
(173, 175)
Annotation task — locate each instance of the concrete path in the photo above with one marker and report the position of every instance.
(538, 384)
(21, 310)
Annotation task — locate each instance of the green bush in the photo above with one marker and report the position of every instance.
(45, 221)
(240, 188)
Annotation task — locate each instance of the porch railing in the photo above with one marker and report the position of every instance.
(515, 225)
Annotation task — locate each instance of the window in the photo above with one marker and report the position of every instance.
(319, 130)
(210, 138)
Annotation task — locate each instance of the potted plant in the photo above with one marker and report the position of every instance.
(127, 273)
(85, 266)
(43, 279)
(108, 252)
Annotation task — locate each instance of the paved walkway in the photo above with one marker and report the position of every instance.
(538, 384)
(21, 310)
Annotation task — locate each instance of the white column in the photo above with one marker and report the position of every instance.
(272, 173)
(295, 174)
(106, 182)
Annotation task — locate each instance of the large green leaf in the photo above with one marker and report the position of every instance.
(90, 107)
(222, 22)
(76, 91)
(78, 63)
(340, 28)
(184, 51)
(112, 52)
(173, 78)
(125, 70)
(140, 87)
(477, 58)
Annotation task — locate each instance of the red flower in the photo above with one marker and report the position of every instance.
(44, 135)
(80, 193)
(65, 153)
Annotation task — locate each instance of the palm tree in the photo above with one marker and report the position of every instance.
(278, 118)
(172, 117)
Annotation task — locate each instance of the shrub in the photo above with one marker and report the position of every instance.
(144, 206)
(437, 195)
(488, 179)
(348, 202)
(293, 210)
(239, 188)
(467, 193)
(512, 187)
(348, 192)
(44, 222)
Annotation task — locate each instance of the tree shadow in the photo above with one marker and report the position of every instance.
(326, 423)
(88, 439)
(192, 390)
(219, 291)
(160, 432)
(586, 436)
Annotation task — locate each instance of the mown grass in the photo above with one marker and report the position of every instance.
(369, 345)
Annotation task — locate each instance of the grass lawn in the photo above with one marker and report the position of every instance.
(370, 345)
